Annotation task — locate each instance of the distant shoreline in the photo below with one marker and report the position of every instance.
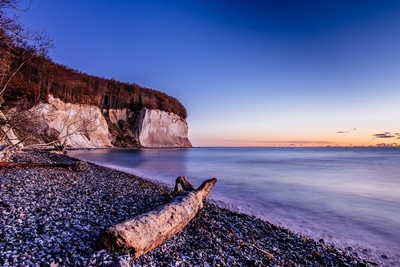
(195, 147)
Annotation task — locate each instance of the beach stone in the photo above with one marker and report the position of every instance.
(81, 166)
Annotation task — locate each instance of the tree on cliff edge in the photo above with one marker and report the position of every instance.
(17, 45)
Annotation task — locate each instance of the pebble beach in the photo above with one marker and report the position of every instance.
(51, 216)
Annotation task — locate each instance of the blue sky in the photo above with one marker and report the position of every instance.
(250, 73)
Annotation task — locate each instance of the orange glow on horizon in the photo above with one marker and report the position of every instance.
(293, 143)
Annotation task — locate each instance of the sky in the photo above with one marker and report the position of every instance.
(250, 73)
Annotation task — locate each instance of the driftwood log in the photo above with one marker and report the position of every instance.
(147, 231)
(77, 166)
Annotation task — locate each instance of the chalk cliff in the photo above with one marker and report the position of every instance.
(88, 126)
(158, 128)
(75, 125)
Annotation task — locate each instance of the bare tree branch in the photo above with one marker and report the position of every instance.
(26, 122)
(17, 45)
(13, 74)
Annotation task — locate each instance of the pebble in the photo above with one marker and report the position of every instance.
(52, 217)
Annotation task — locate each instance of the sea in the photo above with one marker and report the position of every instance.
(349, 197)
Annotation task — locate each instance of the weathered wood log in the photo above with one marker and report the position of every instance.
(147, 231)
(182, 183)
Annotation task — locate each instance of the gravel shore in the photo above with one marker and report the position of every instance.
(52, 217)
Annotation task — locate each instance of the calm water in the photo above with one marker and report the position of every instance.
(347, 196)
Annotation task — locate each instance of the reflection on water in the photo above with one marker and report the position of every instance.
(345, 195)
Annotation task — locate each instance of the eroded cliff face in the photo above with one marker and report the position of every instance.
(87, 126)
(161, 129)
(76, 126)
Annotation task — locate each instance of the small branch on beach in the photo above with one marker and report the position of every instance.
(77, 166)
(265, 253)
(147, 231)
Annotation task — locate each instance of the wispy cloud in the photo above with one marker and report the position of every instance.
(345, 132)
(387, 135)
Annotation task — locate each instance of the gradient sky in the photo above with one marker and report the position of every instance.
(250, 73)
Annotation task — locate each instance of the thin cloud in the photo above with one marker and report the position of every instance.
(290, 142)
(345, 132)
(386, 135)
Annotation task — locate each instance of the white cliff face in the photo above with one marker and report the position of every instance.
(77, 126)
(158, 129)
(87, 126)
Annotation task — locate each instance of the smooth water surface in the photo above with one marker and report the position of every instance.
(347, 196)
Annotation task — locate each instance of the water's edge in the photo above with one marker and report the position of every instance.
(361, 249)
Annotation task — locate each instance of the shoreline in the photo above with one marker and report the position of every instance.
(54, 215)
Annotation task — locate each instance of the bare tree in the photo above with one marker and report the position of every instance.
(17, 45)
(8, 140)
(31, 129)
(71, 125)
(17, 128)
